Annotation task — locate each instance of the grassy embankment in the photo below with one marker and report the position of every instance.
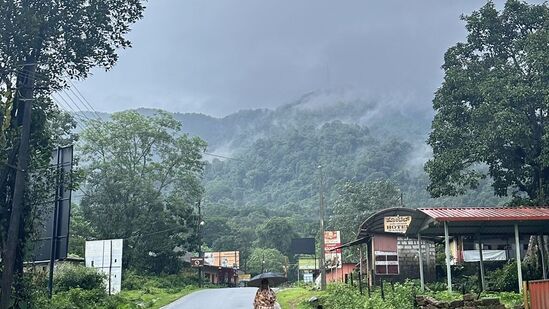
(154, 292)
(345, 297)
(296, 298)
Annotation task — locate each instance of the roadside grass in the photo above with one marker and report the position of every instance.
(345, 297)
(154, 298)
(296, 298)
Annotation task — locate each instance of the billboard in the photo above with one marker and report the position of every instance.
(223, 259)
(303, 246)
(332, 239)
(54, 216)
(106, 257)
(308, 263)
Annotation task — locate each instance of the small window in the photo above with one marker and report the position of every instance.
(386, 263)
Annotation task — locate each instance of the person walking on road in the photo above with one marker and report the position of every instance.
(265, 297)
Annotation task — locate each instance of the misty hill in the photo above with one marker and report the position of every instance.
(276, 153)
(240, 129)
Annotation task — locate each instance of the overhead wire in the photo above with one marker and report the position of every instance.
(65, 100)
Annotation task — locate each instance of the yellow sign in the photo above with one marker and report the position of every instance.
(397, 224)
(308, 263)
(245, 277)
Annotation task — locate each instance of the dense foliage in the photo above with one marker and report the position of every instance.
(142, 184)
(492, 107)
(266, 260)
(41, 43)
(277, 175)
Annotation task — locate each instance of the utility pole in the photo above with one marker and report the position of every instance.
(24, 97)
(53, 245)
(322, 253)
(200, 254)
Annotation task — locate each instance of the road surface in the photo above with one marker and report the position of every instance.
(227, 298)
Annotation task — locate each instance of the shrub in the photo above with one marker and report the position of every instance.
(78, 298)
(341, 296)
(67, 277)
(505, 278)
(134, 281)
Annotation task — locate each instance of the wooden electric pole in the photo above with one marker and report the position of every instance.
(23, 103)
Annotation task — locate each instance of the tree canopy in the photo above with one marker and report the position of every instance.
(492, 108)
(142, 184)
(266, 260)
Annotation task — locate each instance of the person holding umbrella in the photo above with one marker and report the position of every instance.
(265, 297)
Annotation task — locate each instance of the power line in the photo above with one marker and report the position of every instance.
(85, 100)
(220, 156)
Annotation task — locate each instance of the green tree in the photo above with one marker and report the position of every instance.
(356, 201)
(142, 184)
(266, 260)
(66, 37)
(41, 42)
(80, 230)
(492, 108)
(276, 233)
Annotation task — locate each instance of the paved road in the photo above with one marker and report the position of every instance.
(228, 298)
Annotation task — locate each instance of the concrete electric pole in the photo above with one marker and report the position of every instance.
(322, 253)
(23, 103)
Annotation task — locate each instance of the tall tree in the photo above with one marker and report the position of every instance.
(355, 202)
(266, 260)
(276, 233)
(142, 184)
(40, 41)
(492, 108)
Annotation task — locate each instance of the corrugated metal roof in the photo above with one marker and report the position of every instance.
(464, 214)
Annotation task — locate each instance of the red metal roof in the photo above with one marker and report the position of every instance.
(465, 214)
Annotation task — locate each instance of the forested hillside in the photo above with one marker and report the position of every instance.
(276, 154)
(372, 156)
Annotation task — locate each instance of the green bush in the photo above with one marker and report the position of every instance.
(78, 298)
(341, 296)
(134, 281)
(67, 277)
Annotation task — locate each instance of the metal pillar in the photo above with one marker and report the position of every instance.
(447, 253)
(481, 264)
(518, 258)
(420, 255)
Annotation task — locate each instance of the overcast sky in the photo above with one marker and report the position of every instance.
(219, 56)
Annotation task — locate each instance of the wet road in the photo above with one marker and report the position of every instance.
(229, 298)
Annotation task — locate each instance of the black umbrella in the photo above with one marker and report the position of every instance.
(274, 279)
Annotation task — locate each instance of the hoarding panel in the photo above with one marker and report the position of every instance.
(61, 197)
(229, 259)
(332, 239)
(106, 256)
